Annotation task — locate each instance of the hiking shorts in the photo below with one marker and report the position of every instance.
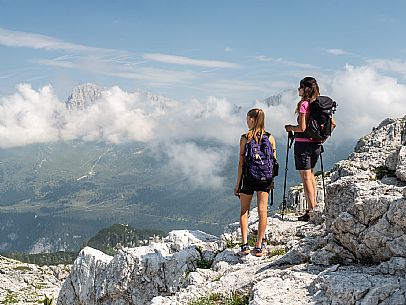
(306, 154)
(248, 186)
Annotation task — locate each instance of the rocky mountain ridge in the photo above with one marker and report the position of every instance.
(87, 94)
(354, 252)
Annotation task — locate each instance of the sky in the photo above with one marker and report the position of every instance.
(207, 57)
(239, 50)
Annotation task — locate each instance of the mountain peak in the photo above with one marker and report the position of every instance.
(84, 96)
(273, 100)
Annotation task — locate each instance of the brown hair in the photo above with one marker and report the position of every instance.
(311, 90)
(259, 127)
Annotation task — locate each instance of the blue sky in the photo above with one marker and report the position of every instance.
(239, 50)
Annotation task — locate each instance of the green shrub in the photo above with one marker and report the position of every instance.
(204, 264)
(336, 259)
(217, 299)
(383, 171)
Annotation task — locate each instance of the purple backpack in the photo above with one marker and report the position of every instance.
(259, 159)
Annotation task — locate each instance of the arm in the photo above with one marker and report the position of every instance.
(301, 127)
(243, 141)
(302, 119)
(333, 124)
(273, 143)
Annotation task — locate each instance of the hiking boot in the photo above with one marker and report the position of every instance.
(245, 249)
(304, 217)
(258, 252)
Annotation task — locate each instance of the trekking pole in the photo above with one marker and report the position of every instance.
(322, 172)
(291, 137)
(270, 196)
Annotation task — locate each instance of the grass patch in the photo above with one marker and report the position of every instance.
(23, 268)
(277, 251)
(230, 244)
(218, 299)
(252, 241)
(46, 301)
(11, 298)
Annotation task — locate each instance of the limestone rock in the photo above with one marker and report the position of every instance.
(134, 275)
(401, 164)
(362, 286)
(363, 213)
(395, 266)
(23, 283)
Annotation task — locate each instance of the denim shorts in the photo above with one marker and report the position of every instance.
(306, 154)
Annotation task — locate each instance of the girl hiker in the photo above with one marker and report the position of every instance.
(306, 150)
(255, 173)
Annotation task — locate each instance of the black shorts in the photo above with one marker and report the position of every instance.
(248, 186)
(306, 154)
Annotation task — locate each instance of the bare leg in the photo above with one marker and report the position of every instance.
(308, 186)
(315, 187)
(245, 207)
(262, 198)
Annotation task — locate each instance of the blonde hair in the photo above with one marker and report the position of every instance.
(259, 127)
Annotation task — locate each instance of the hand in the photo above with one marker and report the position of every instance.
(288, 128)
(237, 190)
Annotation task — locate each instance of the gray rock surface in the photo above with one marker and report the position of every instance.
(360, 286)
(23, 283)
(366, 214)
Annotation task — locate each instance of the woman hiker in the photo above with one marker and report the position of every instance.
(306, 150)
(246, 185)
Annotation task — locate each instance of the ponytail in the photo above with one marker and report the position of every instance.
(258, 130)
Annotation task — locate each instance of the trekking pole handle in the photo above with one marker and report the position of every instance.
(291, 138)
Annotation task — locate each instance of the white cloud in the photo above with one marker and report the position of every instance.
(37, 116)
(286, 62)
(228, 49)
(338, 52)
(154, 75)
(394, 65)
(365, 97)
(55, 63)
(38, 41)
(202, 166)
(30, 116)
(181, 60)
(116, 63)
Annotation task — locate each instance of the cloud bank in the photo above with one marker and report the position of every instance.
(207, 131)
